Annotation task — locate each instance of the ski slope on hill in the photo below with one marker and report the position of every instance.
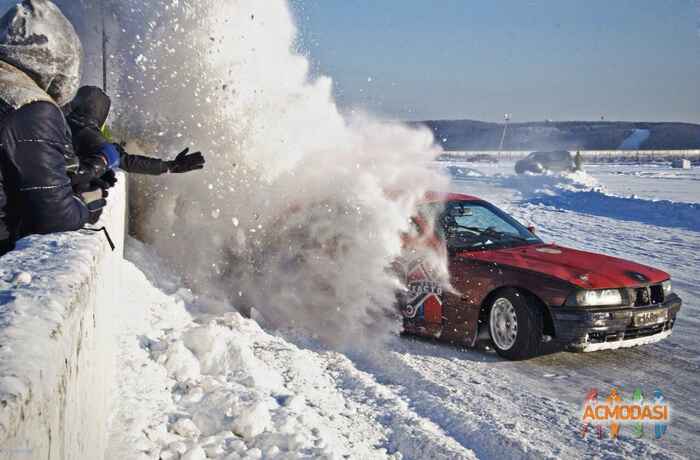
(219, 386)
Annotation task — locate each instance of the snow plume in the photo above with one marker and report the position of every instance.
(300, 209)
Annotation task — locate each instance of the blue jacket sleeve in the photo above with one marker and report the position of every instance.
(42, 142)
(110, 154)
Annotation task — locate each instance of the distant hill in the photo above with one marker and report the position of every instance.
(566, 135)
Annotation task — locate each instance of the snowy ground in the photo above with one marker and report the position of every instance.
(193, 387)
(655, 181)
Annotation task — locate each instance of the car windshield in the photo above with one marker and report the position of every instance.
(474, 225)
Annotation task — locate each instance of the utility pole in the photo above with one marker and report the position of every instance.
(503, 136)
(104, 47)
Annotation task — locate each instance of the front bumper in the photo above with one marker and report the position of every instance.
(586, 330)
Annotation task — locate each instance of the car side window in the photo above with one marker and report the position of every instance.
(480, 217)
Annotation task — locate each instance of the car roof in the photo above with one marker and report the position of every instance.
(443, 197)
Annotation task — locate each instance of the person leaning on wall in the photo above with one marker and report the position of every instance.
(99, 156)
(40, 60)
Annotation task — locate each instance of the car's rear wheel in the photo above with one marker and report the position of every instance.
(515, 326)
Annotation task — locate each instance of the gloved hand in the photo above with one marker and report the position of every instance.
(186, 162)
(107, 181)
(95, 202)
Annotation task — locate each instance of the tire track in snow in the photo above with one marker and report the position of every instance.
(490, 409)
(374, 413)
(416, 435)
(344, 422)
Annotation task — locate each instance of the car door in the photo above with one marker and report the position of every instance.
(422, 302)
(460, 307)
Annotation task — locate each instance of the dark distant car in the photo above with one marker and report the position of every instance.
(541, 162)
(509, 286)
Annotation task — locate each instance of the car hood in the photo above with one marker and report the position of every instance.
(584, 269)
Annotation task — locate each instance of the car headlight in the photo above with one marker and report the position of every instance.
(667, 287)
(597, 298)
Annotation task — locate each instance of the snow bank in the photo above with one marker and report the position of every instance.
(195, 386)
(56, 340)
(661, 213)
(582, 193)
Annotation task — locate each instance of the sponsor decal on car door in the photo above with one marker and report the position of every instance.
(424, 299)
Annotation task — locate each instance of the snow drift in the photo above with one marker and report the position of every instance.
(292, 215)
(582, 193)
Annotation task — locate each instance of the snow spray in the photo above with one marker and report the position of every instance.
(299, 210)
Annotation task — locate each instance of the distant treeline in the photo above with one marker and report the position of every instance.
(566, 135)
(589, 156)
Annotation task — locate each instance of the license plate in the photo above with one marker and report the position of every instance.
(648, 318)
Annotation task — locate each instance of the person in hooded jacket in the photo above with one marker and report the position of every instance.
(40, 59)
(98, 156)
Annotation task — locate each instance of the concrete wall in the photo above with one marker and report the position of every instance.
(57, 341)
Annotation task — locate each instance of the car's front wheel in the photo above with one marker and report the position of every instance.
(515, 326)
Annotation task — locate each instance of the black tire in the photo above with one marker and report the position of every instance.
(530, 325)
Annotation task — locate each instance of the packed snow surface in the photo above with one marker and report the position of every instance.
(199, 385)
(655, 181)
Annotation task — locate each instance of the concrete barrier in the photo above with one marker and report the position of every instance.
(57, 340)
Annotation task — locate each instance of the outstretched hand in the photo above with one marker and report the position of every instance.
(186, 162)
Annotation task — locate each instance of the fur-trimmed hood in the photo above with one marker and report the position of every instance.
(37, 39)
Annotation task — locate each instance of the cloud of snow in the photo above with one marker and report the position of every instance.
(300, 209)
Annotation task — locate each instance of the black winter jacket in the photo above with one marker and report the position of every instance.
(39, 71)
(35, 192)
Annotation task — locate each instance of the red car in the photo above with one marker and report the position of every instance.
(506, 284)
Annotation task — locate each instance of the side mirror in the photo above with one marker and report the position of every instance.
(532, 229)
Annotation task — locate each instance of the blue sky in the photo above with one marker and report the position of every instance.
(537, 59)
